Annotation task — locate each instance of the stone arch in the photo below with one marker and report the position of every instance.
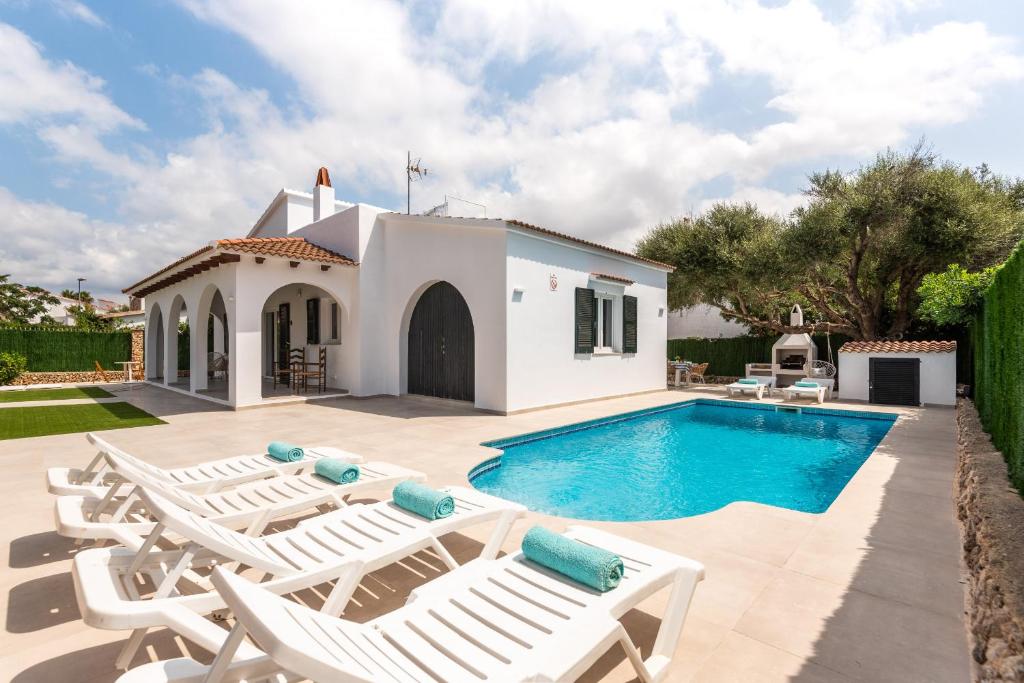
(154, 343)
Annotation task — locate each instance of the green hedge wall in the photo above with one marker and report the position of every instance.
(728, 356)
(999, 364)
(66, 349)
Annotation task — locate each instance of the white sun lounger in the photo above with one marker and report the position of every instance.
(496, 620)
(817, 393)
(203, 478)
(343, 545)
(763, 385)
(250, 506)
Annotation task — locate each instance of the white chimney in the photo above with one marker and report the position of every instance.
(796, 316)
(323, 196)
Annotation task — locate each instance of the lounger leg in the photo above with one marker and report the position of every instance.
(443, 553)
(498, 536)
(87, 473)
(342, 592)
(227, 652)
(259, 523)
(101, 506)
(127, 654)
(633, 655)
(672, 623)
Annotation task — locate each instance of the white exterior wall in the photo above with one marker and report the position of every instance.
(704, 322)
(938, 376)
(401, 258)
(542, 366)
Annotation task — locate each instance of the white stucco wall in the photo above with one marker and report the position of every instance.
(401, 258)
(542, 366)
(938, 375)
(702, 321)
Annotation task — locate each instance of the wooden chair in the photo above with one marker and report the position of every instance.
(286, 375)
(697, 373)
(100, 375)
(315, 370)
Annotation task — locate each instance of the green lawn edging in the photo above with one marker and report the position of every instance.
(63, 394)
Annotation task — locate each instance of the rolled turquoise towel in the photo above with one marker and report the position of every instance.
(747, 380)
(423, 500)
(285, 452)
(806, 385)
(594, 567)
(338, 471)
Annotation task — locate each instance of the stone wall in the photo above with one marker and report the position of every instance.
(138, 335)
(991, 515)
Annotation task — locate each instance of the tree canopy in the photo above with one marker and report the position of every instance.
(21, 305)
(952, 297)
(854, 257)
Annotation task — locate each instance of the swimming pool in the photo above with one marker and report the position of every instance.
(684, 459)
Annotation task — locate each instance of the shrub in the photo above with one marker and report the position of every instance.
(11, 366)
(66, 349)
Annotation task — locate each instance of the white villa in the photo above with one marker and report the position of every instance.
(500, 313)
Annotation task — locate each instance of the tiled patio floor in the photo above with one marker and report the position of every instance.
(869, 590)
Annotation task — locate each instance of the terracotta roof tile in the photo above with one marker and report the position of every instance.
(295, 248)
(292, 248)
(613, 278)
(898, 347)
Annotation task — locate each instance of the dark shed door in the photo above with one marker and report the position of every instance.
(441, 345)
(284, 338)
(894, 381)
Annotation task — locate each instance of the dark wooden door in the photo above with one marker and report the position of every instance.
(894, 381)
(284, 337)
(441, 345)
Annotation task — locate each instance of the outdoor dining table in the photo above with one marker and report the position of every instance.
(682, 369)
(126, 369)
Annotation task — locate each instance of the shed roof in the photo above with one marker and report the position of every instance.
(898, 347)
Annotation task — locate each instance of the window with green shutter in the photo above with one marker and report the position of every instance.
(586, 320)
(629, 324)
(312, 321)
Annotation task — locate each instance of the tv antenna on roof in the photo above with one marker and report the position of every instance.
(411, 169)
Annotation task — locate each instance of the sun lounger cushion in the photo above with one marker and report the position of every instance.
(338, 471)
(285, 452)
(594, 567)
(747, 380)
(806, 385)
(423, 500)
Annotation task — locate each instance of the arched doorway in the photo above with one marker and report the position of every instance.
(441, 345)
(154, 344)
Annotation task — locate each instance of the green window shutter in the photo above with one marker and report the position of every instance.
(629, 324)
(312, 321)
(586, 320)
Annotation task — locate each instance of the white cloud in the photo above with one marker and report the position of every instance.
(36, 90)
(602, 141)
(72, 9)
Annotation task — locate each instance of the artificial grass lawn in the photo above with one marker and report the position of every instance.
(53, 394)
(17, 423)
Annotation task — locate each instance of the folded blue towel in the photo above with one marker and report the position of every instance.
(338, 471)
(285, 452)
(806, 385)
(747, 380)
(423, 500)
(594, 567)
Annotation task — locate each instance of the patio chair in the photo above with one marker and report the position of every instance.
(696, 373)
(341, 546)
(207, 477)
(285, 375)
(250, 506)
(318, 371)
(496, 620)
(216, 362)
(99, 374)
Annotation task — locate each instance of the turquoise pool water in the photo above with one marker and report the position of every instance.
(684, 460)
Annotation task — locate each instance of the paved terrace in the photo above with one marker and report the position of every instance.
(869, 590)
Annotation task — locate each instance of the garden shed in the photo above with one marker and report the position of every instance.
(908, 373)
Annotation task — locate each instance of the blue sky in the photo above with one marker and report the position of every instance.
(132, 132)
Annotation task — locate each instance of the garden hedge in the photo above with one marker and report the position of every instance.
(727, 356)
(58, 349)
(998, 333)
